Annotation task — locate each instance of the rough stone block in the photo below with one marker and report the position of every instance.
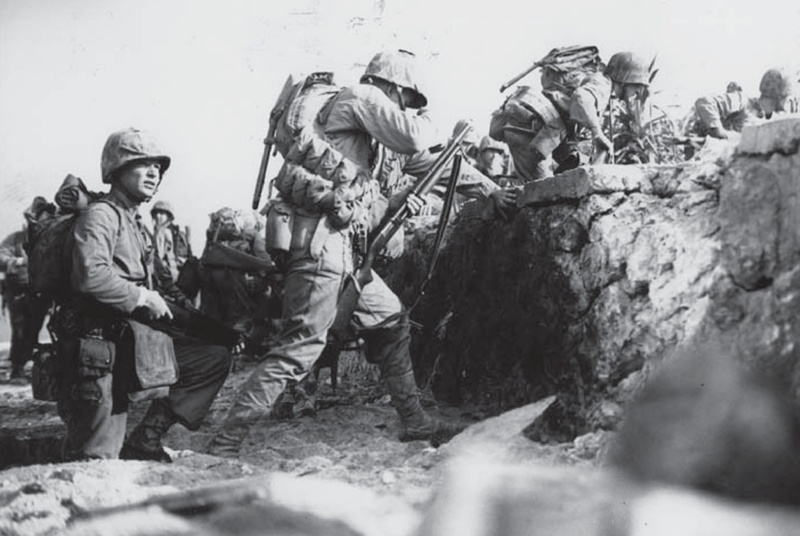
(782, 135)
(568, 186)
(580, 182)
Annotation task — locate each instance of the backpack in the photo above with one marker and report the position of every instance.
(563, 69)
(298, 105)
(50, 255)
(180, 242)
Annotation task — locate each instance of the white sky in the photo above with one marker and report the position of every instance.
(204, 75)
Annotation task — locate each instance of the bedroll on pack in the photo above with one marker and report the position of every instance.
(563, 69)
(558, 63)
(298, 105)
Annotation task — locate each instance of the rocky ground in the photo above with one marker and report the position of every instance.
(350, 441)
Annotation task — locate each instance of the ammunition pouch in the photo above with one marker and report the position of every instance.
(92, 346)
(96, 357)
(318, 179)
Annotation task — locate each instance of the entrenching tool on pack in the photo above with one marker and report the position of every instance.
(381, 236)
(565, 58)
(262, 170)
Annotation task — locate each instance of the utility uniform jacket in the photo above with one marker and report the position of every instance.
(368, 127)
(109, 264)
(723, 111)
(588, 100)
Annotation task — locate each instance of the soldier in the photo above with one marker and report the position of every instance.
(716, 115)
(492, 159)
(532, 124)
(386, 111)
(26, 311)
(163, 242)
(106, 358)
(778, 93)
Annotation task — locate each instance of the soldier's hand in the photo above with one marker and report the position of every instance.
(155, 305)
(505, 200)
(718, 133)
(417, 206)
(239, 346)
(603, 143)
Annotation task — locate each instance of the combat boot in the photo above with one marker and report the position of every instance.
(144, 442)
(17, 376)
(423, 427)
(415, 423)
(227, 442)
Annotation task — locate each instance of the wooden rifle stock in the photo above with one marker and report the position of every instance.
(380, 237)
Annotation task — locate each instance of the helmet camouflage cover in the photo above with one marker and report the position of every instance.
(776, 84)
(488, 144)
(129, 146)
(628, 68)
(398, 67)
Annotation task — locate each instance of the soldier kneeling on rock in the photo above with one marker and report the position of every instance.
(107, 358)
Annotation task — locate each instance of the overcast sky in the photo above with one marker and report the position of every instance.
(204, 75)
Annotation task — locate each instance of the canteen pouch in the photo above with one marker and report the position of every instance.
(280, 223)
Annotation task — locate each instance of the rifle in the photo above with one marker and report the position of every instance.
(192, 323)
(381, 236)
(269, 143)
(555, 57)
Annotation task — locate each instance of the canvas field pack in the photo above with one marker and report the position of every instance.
(298, 104)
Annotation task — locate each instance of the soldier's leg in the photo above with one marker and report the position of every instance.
(34, 310)
(383, 325)
(16, 316)
(202, 369)
(95, 418)
(311, 290)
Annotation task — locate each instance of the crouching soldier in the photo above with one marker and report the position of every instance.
(107, 358)
(540, 127)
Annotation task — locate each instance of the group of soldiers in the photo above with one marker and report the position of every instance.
(122, 276)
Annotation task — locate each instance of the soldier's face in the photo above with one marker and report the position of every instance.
(493, 162)
(141, 180)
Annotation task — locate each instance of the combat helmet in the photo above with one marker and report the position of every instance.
(398, 67)
(129, 146)
(776, 84)
(628, 68)
(163, 206)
